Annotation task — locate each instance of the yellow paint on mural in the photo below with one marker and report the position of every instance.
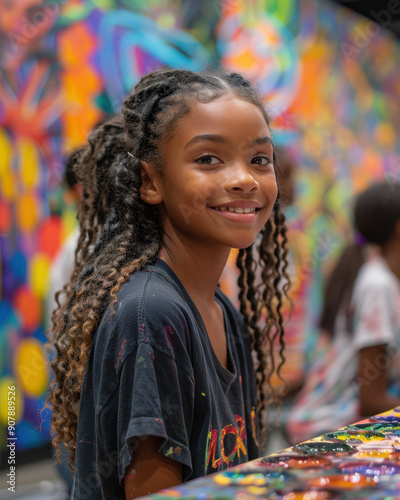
(7, 393)
(28, 161)
(7, 186)
(5, 156)
(26, 212)
(31, 367)
(39, 274)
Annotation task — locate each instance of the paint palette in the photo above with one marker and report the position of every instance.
(359, 461)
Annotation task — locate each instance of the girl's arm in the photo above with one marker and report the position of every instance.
(373, 364)
(149, 471)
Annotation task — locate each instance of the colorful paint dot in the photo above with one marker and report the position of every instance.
(39, 274)
(26, 212)
(5, 157)
(31, 367)
(7, 186)
(385, 135)
(5, 395)
(322, 447)
(49, 236)
(28, 161)
(27, 307)
(344, 482)
(5, 217)
(223, 480)
(18, 266)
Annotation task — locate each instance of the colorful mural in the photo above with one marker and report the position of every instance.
(65, 64)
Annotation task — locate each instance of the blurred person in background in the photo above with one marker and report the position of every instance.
(356, 370)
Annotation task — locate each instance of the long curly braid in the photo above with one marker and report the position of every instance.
(93, 175)
(120, 234)
(266, 295)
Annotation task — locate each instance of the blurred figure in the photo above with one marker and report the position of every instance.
(356, 371)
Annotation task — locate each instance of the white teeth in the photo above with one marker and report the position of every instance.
(237, 210)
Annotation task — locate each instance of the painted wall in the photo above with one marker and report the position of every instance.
(332, 80)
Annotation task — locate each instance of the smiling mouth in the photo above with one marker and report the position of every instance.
(237, 210)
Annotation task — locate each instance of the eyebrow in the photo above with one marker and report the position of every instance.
(222, 140)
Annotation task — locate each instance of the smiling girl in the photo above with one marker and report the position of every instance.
(155, 381)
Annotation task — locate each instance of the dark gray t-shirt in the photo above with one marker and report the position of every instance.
(152, 371)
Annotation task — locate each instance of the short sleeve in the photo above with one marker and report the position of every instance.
(156, 398)
(372, 315)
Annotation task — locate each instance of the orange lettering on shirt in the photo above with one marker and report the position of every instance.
(241, 435)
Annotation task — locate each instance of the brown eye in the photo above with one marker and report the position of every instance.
(261, 160)
(207, 160)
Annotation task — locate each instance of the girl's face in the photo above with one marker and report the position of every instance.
(218, 185)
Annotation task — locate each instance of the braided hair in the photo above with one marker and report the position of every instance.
(120, 234)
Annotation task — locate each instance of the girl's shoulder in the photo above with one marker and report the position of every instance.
(151, 295)
(149, 307)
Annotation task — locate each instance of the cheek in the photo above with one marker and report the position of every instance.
(198, 189)
(270, 188)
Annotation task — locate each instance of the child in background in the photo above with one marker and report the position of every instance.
(154, 377)
(356, 372)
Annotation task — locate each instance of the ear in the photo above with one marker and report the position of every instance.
(150, 191)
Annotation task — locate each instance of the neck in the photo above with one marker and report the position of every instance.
(391, 253)
(198, 269)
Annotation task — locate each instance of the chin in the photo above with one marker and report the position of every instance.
(242, 244)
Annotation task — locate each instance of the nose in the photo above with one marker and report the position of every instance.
(241, 178)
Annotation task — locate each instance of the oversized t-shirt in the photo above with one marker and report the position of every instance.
(152, 371)
(330, 398)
